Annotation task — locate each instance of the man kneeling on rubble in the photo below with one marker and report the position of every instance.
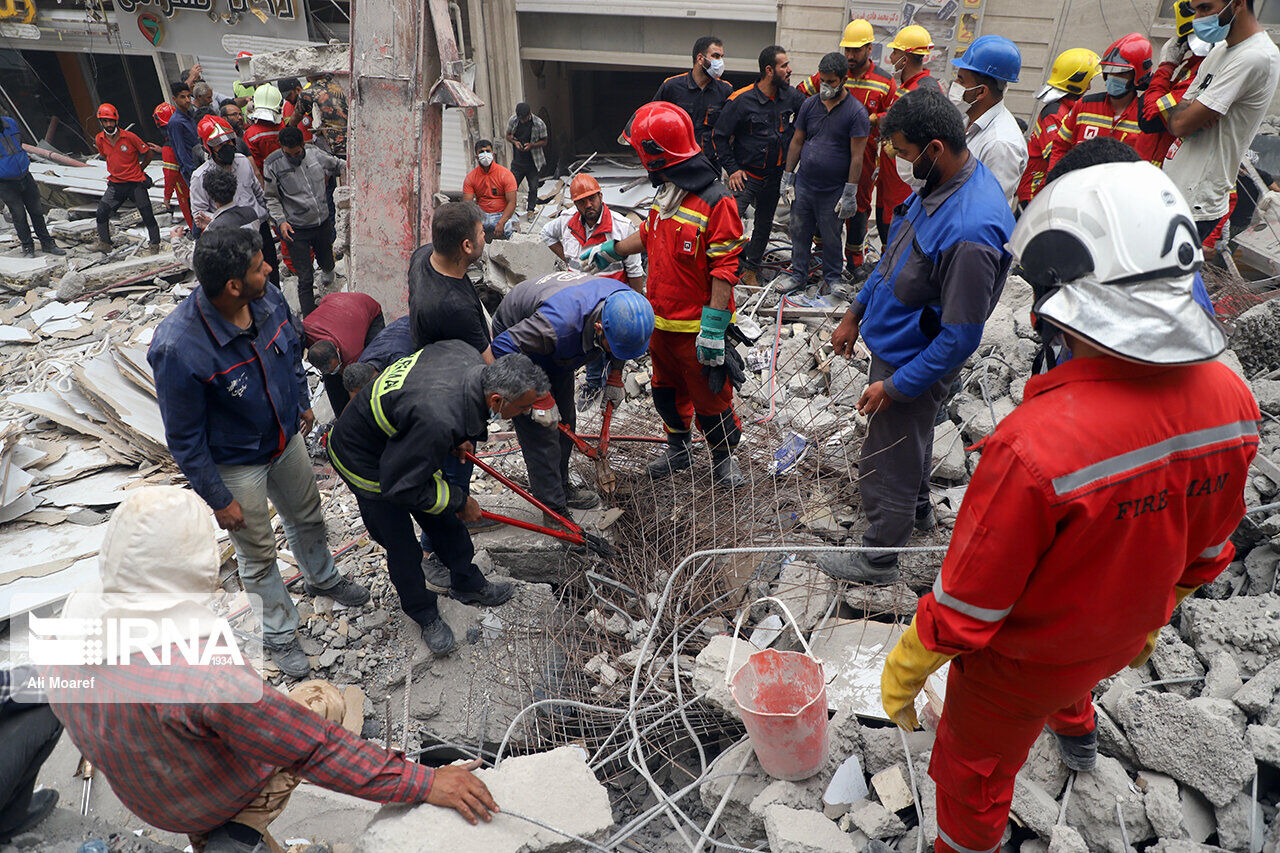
(389, 445)
(210, 751)
(1105, 499)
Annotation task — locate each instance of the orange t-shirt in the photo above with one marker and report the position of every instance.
(491, 187)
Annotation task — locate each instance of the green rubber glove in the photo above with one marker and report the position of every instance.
(710, 342)
(601, 257)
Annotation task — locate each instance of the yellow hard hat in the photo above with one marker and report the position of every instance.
(857, 34)
(1073, 70)
(1183, 16)
(912, 39)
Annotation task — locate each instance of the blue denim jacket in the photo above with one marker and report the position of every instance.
(227, 397)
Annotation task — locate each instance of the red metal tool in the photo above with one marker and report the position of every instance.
(606, 480)
(572, 533)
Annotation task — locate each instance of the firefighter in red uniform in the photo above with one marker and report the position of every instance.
(907, 53)
(1101, 503)
(174, 184)
(693, 235)
(875, 90)
(1072, 73)
(1126, 68)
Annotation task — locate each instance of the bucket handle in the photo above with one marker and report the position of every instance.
(737, 626)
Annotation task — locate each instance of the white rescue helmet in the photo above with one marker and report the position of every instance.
(1111, 252)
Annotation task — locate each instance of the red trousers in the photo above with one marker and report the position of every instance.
(995, 709)
(176, 185)
(680, 390)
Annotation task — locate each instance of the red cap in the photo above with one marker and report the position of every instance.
(244, 54)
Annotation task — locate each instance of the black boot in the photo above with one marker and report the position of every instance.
(724, 468)
(51, 248)
(677, 456)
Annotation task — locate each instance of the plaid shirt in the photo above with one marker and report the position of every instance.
(192, 767)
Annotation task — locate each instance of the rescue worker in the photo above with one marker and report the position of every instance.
(1069, 78)
(1126, 69)
(562, 321)
(297, 107)
(910, 47)
(243, 92)
(1169, 84)
(693, 235)
(1068, 557)
(389, 446)
(700, 91)
(989, 65)
(262, 134)
(19, 193)
(126, 157)
(751, 140)
(921, 314)
(875, 90)
(174, 183)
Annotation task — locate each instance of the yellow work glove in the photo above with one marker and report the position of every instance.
(1180, 594)
(905, 671)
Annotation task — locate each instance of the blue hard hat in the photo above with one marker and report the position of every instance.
(994, 56)
(628, 323)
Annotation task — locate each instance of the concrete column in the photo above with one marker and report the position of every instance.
(506, 82)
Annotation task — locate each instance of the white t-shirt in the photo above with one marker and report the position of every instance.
(997, 141)
(558, 231)
(1237, 83)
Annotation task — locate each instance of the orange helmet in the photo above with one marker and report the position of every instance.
(662, 134)
(1129, 53)
(163, 113)
(583, 186)
(214, 131)
(108, 111)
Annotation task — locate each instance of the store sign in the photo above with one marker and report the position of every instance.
(151, 27)
(24, 13)
(283, 9)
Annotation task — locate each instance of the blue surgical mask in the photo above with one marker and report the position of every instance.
(1211, 29)
(1117, 87)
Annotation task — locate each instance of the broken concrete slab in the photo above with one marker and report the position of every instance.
(948, 452)
(1092, 809)
(19, 275)
(1044, 767)
(522, 257)
(1222, 680)
(806, 591)
(1064, 839)
(1197, 814)
(1258, 692)
(306, 61)
(1264, 742)
(1247, 627)
(895, 599)
(1171, 735)
(103, 274)
(795, 831)
(748, 780)
(1174, 659)
(709, 670)
(1164, 810)
(1241, 824)
(876, 821)
(853, 653)
(1034, 806)
(556, 788)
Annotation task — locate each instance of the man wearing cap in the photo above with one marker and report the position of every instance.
(989, 65)
(571, 234)
(126, 157)
(1069, 556)
(262, 134)
(296, 107)
(1070, 77)
(910, 47)
(492, 186)
(243, 92)
(527, 135)
(700, 91)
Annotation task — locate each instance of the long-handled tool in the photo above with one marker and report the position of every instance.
(85, 771)
(571, 533)
(606, 480)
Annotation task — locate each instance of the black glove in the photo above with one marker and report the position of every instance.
(734, 370)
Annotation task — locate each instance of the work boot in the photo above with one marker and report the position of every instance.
(289, 657)
(41, 805)
(152, 249)
(325, 279)
(1079, 752)
(436, 574)
(102, 246)
(751, 278)
(482, 524)
(29, 251)
(677, 456)
(346, 592)
(549, 520)
(578, 498)
(438, 636)
(589, 396)
(786, 283)
(725, 470)
(927, 520)
(51, 248)
(856, 568)
(490, 595)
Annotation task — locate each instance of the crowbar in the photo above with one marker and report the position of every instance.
(606, 480)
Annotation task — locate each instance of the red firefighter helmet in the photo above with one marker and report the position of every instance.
(1129, 53)
(163, 113)
(662, 134)
(108, 111)
(213, 131)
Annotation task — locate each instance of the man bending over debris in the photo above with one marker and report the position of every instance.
(389, 447)
(1102, 502)
(562, 321)
(335, 335)
(236, 408)
(216, 754)
(921, 314)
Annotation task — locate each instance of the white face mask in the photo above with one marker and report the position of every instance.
(715, 67)
(1198, 46)
(957, 92)
(485, 158)
(904, 168)
(828, 93)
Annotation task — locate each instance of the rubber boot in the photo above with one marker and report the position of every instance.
(724, 468)
(677, 456)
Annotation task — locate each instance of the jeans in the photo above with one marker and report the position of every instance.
(289, 482)
(490, 222)
(22, 197)
(269, 252)
(29, 736)
(391, 526)
(302, 243)
(528, 172)
(116, 195)
(762, 194)
(596, 370)
(546, 451)
(809, 212)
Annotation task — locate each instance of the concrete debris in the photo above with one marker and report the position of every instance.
(300, 62)
(892, 788)
(1174, 659)
(1034, 806)
(1066, 840)
(795, 831)
(876, 820)
(1197, 814)
(1222, 680)
(1092, 809)
(1241, 824)
(1264, 741)
(1247, 627)
(1256, 339)
(556, 788)
(521, 257)
(1259, 692)
(709, 671)
(1164, 809)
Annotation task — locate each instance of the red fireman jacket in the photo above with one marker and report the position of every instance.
(891, 190)
(1040, 144)
(262, 139)
(602, 232)
(1110, 484)
(875, 90)
(1093, 116)
(701, 241)
(1168, 85)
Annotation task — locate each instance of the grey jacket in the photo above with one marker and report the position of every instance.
(248, 190)
(295, 194)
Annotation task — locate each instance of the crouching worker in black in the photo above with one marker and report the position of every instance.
(389, 446)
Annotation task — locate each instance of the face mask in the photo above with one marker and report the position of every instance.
(485, 158)
(1117, 87)
(906, 171)
(296, 161)
(957, 92)
(828, 93)
(1197, 46)
(715, 67)
(225, 156)
(1211, 29)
